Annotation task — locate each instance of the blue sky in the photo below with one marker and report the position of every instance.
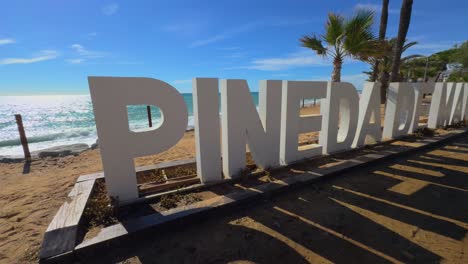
(51, 46)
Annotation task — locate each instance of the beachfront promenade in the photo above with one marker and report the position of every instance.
(412, 209)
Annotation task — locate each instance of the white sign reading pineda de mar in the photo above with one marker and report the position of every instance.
(346, 120)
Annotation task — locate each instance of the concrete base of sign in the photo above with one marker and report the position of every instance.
(127, 231)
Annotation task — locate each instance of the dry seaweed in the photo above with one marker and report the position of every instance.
(100, 209)
(424, 132)
(174, 200)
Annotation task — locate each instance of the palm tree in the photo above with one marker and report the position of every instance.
(405, 18)
(345, 38)
(382, 32)
(386, 61)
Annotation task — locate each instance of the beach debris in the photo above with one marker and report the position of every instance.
(424, 132)
(174, 200)
(99, 210)
(170, 200)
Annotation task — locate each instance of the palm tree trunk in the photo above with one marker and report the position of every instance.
(405, 18)
(382, 32)
(336, 74)
(384, 78)
(383, 20)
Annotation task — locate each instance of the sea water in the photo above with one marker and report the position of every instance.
(55, 120)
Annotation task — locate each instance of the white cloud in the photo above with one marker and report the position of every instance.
(7, 41)
(227, 34)
(182, 81)
(92, 35)
(295, 60)
(129, 62)
(110, 9)
(375, 7)
(235, 55)
(83, 54)
(79, 48)
(229, 48)
(75, 61)
(207, 41)
(42, 56)
(87, 54)
(247, 28)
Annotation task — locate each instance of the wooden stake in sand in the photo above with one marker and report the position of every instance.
(150, 121)
(24, 140)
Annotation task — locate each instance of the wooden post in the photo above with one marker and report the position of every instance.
(150, 121)
(24, 140)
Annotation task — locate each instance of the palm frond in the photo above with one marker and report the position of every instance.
(334, 29)
(358, 32)
(410, 57)
(314, 43)
(408, 45)
(372, 50)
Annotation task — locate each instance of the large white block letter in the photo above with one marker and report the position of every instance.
(441, 105)
(457, 107)
(465, 103)
(292, 124)
(241, 125)
(419, 90)
(119, 145)
(369, 123)
(207, 129)
(340, 112)
(399, 110)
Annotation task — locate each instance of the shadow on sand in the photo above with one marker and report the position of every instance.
(412, 209)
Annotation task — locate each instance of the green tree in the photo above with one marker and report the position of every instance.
(461, 54)
(385, 63)
(436, 63)
(458, 76)
(351, 37)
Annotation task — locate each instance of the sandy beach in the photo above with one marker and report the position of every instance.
(305, 169)
(28, 201)
(31, 195)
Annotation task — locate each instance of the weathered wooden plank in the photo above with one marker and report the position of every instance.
(155, 187)
(92, 176)
(61, 234)
(162, 165)
(70, 212)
